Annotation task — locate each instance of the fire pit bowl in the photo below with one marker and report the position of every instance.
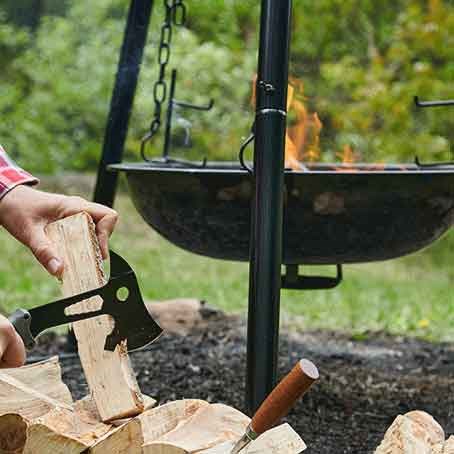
(332, 214)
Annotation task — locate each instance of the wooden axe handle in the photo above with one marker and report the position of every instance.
(294, 385)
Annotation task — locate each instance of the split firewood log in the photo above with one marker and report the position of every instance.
(415, 432)
(279, 440)
(31, 391)
(126, 437)
(165, 418)
(63, 431)
(26, 393)
(13, 433)
(198, 427)
(209, 426)
(37, 415)
(446, 447)
(109, 374)
(38, 423)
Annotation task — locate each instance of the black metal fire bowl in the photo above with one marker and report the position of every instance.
(355, 215)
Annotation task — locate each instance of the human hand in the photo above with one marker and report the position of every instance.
(12, 350)
(25, 213)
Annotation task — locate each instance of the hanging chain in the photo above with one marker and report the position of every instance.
(175, 14)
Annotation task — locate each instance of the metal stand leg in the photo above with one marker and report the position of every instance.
(266, 241)
(135, 36)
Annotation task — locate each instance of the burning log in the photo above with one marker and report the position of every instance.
(109, 374)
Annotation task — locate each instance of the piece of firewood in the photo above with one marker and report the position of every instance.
(33, 390)
(13, 432)
(109, 374)
(279, 440)
(415, 432)
(125, 439)
(130, 436)
(148, 404)
(207, 427)
(446, 447)
(63, 431)
(24, 400)
(161, 420)
(38, 423)
(211, 429)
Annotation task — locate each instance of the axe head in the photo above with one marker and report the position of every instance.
(123, 301)
(133, 324)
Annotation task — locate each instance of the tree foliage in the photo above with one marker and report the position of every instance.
(361, 61)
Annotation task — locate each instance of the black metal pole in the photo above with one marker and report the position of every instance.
(170, 105)
(134, 39)
(266, 241)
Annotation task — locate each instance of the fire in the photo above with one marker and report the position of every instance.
(302, 140)
(348, 156)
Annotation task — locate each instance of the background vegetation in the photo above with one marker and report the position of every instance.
(361, 62)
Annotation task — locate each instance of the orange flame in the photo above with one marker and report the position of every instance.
(302, 139)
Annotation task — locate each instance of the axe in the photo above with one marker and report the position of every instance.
(121, 300)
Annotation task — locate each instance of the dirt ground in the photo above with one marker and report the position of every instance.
(363, 385)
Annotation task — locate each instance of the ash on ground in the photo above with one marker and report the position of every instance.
(363, 386)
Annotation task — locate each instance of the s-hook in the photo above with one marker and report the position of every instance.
(422, 104)
(243, 147)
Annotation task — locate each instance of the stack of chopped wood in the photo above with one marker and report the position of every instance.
(415, 432)
(38, 415)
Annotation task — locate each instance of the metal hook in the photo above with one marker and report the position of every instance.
(243, 147)
(432, 164)
(187, 105)
(241, 153)
(443, 103)
(154, 128)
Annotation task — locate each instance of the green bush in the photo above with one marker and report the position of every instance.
(361, 63)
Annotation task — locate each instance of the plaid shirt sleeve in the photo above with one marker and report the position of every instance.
(11, 174)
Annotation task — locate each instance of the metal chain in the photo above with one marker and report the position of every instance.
(175, 14)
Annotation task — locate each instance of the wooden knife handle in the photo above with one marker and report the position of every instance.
(279, 402)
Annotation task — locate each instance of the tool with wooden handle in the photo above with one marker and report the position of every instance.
(294, 385)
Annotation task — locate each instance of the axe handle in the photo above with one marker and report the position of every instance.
(21, 319)
(294, 385)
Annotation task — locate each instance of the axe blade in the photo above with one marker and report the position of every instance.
(133, 322)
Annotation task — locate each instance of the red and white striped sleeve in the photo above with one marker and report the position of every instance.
(11, 174)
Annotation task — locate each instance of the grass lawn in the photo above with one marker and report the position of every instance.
(411, 295)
